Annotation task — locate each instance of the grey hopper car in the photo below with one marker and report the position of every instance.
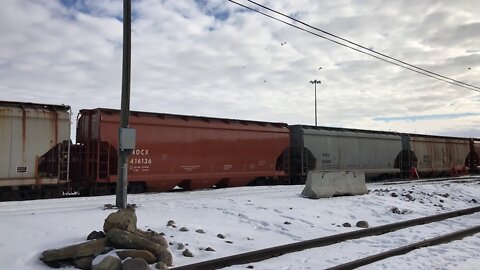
(375, 153)
(31, 137)
(378, 154)
(436, 155)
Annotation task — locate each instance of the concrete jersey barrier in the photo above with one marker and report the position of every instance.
(325, 184)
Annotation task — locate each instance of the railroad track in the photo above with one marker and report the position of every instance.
(465, 179)
(95, 202)
(263, 254)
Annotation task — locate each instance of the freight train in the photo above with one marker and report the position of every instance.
(38, 159)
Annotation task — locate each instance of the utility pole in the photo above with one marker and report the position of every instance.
(126, 136)
(315, 82)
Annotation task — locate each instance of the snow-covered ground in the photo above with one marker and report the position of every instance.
(252, 218)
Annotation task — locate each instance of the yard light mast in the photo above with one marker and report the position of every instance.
(315, 82)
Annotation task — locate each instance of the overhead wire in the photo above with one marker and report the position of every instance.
(382, 57)
(359, 45)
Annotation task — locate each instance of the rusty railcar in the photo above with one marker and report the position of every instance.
(474, 156)
(438, 155)
(34, 140)
(175, 150)
(376, 153)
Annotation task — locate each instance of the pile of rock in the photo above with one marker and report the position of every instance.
(120, 246)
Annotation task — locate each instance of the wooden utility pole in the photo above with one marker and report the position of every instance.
(126, 136)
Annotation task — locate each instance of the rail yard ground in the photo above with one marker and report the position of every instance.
(238, 220)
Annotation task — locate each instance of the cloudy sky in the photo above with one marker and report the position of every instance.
(213, 58)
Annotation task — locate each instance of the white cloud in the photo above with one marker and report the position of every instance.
(212, 58)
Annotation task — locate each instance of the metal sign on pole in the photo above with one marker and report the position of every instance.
(126, 136)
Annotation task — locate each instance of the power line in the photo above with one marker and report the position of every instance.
(358, 45)
(392, 61)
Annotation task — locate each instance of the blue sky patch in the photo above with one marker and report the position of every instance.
(218, 14)
(414, 118)
(77, 5)
(88, 7)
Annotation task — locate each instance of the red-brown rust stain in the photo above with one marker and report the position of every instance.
(5, 112)
(37, 177)
(24, 132)
(55, 119)
(449, 155)
(52, 116)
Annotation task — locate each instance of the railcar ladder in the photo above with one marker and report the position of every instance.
(103, 160)
(64, 162)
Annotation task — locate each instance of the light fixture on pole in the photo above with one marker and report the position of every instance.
(315, 82)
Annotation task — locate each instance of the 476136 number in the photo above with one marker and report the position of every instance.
(140, 161)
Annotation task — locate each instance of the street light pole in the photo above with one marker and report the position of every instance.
(315, 82)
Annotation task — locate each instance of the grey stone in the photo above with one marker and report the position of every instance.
(165, 256)
(395, 210)
(108, 206)
(200, 231)
(346, 224)
(136, 253)
(135, 264)
(84, 263)
(108, 263)
(221, 236)
(180, 246)
(96, 235)
(210, 249)
(184, 229)
(85, 249)
(123, 219)
(170, 223)
(229, 242)
(287, 223)
(161, 266)
(123, 239)
(152, 236)
(362, 224)
(187, 253)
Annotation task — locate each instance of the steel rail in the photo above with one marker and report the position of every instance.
(405, 249)
(428, 181)
(267, 253)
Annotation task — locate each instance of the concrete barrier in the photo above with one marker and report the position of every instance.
(324, 184)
